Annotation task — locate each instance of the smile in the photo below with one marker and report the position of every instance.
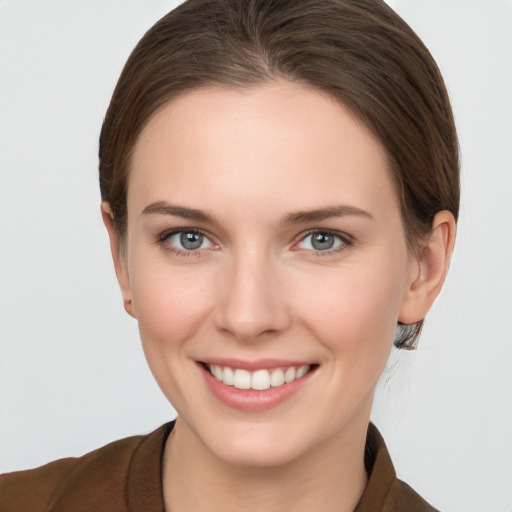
(256, 386)
(259, 380)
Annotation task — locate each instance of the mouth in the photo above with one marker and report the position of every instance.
(255, 386)
(260, 379)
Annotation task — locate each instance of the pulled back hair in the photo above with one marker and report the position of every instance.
(360, 52)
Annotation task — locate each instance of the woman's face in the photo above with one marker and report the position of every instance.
(264, 235)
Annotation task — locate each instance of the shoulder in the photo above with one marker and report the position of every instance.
(384, 491)
(96, 481)
(99, 472)
(406, 499)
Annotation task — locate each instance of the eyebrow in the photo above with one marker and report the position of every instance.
(329, 212)
(299, 217)
(164, 208)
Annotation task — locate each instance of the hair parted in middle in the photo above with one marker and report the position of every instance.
(360, 52)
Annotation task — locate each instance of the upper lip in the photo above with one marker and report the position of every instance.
(257, 364)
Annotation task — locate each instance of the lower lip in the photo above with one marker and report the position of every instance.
(251, 400)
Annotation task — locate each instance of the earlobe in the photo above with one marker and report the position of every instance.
(431, 266)
(119, 261)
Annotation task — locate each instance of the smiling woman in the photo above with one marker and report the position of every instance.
(261, 293)
(280, 186)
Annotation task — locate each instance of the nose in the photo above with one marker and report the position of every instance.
(251, 303)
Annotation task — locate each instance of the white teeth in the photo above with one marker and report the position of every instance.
(277, 378)
(217, 372)
(229, 376)
(289, 376)
(260, 379)
(242, 379)
(301, 371)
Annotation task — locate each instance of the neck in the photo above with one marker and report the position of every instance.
(331, 477)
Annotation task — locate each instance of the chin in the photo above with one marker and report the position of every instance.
(259, 442)
(257, 451)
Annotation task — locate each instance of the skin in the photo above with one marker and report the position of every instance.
(258, 288)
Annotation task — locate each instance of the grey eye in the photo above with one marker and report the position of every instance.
(191, 241)
(321, 241)
(188, 240)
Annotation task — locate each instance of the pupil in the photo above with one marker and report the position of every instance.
(322, 241)
(191, 241)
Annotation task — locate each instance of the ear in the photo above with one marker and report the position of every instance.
(429, 269)
(119, 261)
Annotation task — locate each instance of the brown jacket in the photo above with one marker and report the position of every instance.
(125, 476)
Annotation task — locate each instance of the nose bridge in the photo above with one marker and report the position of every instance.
(250, 301)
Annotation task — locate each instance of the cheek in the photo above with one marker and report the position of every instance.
(169, 303)
(356, 309)
(171, 308)
(355, 320)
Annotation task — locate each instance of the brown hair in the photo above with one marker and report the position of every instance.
(358, 51)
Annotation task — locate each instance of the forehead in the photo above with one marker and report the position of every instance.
(280, 139)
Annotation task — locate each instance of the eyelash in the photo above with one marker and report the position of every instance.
(346, 242)
(164, 237)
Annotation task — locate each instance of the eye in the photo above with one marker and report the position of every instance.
(323, 241)
(186, 240)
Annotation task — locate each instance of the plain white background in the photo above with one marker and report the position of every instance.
(72, 373)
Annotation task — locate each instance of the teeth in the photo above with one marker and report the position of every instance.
(301, 371)
(228, 376)
(290, 374)
(259, 380)
(242, 379)
(218, 373)
(277, 378)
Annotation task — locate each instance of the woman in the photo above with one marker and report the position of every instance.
(280, 186)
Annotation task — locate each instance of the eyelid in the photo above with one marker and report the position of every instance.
(346, 240)
(165, 235)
